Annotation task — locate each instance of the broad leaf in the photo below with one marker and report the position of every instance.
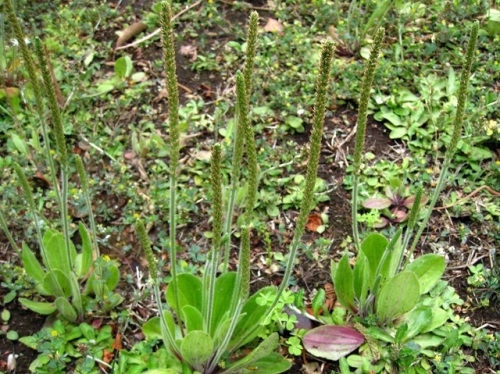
(344, 284)
(38, 307)
(428, 340)
(398, 133)
(123, 67)
(152, 328)
(439, 317)
(429, 269)
(192, 318)
(249, 325)
(56, 251)
(273, 363)
(416, 320)
(265, 348)
(397, 296)
(380, 334)
(224, 287)
(76, 293)
(332, 342)
(66, 309)
(374, 247)
(377, 203)
(57, 283)
(86, 258)
(361, 280)
(197, 348)
(31, 264)
(112, 277)
(189, 288)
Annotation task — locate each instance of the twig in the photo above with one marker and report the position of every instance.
(489, 189)
(469, 263)
(158, 30)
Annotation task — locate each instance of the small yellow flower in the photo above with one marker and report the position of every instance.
(54, 333)
(106, 258)
(437, 358)
(136, 215)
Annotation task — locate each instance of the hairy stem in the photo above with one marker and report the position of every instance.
(369, 75)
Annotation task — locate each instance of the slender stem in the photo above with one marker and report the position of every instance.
(173, 105)
(37, 92)
(57, 123)
(239, 140)
(31, 204)
(167, 337)
(457, 130)
(217, 206)
(6, 230)
(243, 90)
(322, 85)
(166, 334)
(86, 192)
(369, 75)
(412, 220)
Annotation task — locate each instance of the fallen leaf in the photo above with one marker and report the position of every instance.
(129, 155)
(107, 356)
(40, 180)
(117, 344)
(330, 296)
(189, 51)
(129, 32)
(97, 323)
(11, 362)
(314, 221)
(203, 155)
(273, 25)
(207, 91)
(311, 368)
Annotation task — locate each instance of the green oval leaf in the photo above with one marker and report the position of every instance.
(197, 348)
(38, 307)
(189, 288)
(429, 269)
(123, 67)
(398, 296)
(344, 284)
(66, 309)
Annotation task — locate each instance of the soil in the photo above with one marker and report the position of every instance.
(338, 142)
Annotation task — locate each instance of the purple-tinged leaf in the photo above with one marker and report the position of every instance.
(382, 222)
(408, 202)
(332, 342)
(377, 203)
(399, 215)
(390, 193)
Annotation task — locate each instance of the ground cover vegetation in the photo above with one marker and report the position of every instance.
(261, 187)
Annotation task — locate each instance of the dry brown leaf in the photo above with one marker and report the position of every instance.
(273, 25)
(314, 221)
(118, 342)
(330, 296)
(203, 155)
(311, 368)
(129, 155)
(40, 180)
(189, 51)
(129, 32)
(107, 356)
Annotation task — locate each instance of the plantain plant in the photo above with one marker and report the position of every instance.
(206, 321)
(386, 288)
(77, 282)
